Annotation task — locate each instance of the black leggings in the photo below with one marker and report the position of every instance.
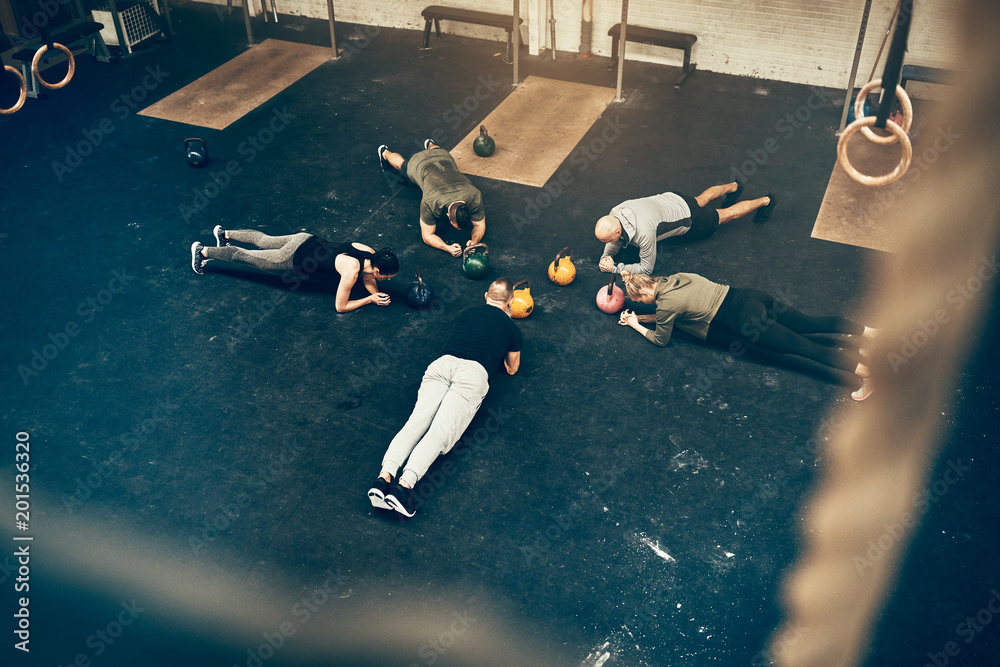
(756, 318)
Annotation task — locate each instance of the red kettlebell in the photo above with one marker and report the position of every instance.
(610, 299)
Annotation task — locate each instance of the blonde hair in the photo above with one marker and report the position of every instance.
(638, 284)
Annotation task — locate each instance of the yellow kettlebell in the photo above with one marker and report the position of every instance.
(561, 270)
(523, 304)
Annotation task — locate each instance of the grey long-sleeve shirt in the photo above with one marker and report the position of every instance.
(644, 221)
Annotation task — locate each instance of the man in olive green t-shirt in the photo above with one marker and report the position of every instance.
(448, 195)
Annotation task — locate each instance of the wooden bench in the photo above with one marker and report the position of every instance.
(437, 13)
(925, 74)
(655, 37)
(81, 33)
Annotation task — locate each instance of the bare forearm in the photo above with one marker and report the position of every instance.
(354, 305)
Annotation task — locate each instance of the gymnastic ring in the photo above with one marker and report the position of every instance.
(38, 56)
(864, 179)
(904, 101)
(24, 92)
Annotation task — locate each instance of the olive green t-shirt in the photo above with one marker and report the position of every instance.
(437, 175)
(687, 301)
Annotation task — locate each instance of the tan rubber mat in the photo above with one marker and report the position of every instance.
(535, 129)
(230, 91)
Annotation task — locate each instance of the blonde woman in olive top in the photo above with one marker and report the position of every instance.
(738, 318)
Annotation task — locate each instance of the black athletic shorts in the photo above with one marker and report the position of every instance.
(704, 221)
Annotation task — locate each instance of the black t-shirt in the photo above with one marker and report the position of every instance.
(484, 334)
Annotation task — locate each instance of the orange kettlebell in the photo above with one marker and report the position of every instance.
(561, 270)
(523, 304)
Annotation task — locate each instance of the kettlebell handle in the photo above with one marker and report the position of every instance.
(473, 248)
(420, 281)
(524, 282)
(611, 285)
(187, 142)
(562, 254)
(482, 131)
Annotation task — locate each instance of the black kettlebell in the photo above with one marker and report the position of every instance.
(197, 152)
(420, 293)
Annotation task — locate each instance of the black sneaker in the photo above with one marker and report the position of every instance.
(386, 167)
(220, 236)
(197, 261)
(732, 197)
(764, 212)
(427, 144)
(401, 499)
(378, 492)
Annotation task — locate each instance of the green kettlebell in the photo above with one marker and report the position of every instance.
(476, 261)
(484, 144)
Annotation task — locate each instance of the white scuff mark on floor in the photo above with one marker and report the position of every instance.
(729, 554)
(655, 546)
(688, 458)
(598, 656)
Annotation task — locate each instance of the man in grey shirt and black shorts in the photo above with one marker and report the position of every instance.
(643, 222)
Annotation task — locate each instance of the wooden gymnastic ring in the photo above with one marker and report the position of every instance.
(23, 95)
(904, 101)
(864, 179)
(38, 56)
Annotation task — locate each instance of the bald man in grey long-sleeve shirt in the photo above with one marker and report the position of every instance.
(643, 222)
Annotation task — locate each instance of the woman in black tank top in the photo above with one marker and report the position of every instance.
(300, 256)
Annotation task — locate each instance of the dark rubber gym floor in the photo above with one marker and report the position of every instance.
(613, 503)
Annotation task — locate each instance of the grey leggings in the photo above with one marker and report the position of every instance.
(275, 254)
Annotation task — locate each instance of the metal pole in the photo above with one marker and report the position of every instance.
(333, 34)
(894, 63)
(125, 49)
(246, 20)
(517, 39)
(552, 25)
(854, 67)
(621, 50)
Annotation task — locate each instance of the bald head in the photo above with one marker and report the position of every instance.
(501, 290)
(608, 229)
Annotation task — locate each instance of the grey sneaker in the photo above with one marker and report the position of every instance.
(220, 236)
(197, 261)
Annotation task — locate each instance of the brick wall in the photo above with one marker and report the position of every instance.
(803, 41)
